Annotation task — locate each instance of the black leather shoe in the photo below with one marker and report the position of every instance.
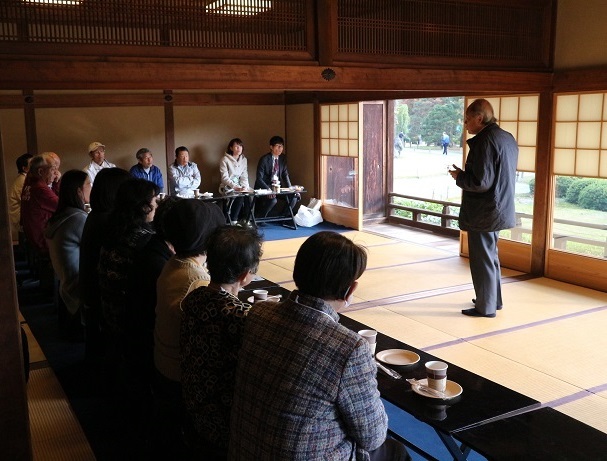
(474, 313)
(499, 308)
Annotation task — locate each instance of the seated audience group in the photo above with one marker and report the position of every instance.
(156, 284)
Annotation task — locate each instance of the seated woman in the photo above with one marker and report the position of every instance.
(141, 294)
(306, 386)
(63, 235)
(103, 195)
(235, 178)
(128, 232)
(187, 226)
(211, 334)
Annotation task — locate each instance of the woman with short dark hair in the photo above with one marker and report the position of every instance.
(211, 333)
(306, 386)
(328, 265)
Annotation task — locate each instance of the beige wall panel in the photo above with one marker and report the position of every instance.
(206, 131)
(580, 34)
(300, 138)
(123, 130)
(12, 126)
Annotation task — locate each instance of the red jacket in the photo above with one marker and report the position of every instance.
(38, 203)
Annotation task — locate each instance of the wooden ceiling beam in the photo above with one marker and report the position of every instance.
(40, 74)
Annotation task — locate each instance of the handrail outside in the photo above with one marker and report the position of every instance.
(446, 216)
(560, 241)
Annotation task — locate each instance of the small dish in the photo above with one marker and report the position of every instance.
(397, 357)
(451, 391)
(274, 298)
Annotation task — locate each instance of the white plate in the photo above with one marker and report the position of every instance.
(397, 357)
(452, 390)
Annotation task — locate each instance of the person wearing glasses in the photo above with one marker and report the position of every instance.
(488, 184)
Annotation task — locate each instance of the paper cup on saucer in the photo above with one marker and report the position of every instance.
(260, 295)
(371, 337)
(437, 375)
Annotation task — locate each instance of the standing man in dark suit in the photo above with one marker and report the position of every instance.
(273, 164)
(487, 181)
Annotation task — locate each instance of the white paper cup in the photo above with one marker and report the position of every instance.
(437, 375)
(196, 193)
(260, 295)
(371, 337)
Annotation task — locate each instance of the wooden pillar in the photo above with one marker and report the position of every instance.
(169, 133)
(327, 32)
(15, 438)
(543, 185)
(30, 122)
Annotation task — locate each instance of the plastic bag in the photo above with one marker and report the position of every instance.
(307, 217)
(315, 204)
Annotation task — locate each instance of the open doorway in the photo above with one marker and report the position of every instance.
(428, 137)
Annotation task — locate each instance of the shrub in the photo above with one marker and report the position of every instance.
(594, 196)
(562, 185)
(532, 186)
(576, 186)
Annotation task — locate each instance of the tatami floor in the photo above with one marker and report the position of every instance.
(548, 342)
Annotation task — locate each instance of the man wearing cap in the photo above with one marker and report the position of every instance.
(98, 161)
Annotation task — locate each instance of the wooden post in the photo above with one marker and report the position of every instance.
(15, 438)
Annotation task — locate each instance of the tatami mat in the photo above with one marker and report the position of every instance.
(542, 344)
(56, 433)
(36, 354)
(590, 409)
(548, 342)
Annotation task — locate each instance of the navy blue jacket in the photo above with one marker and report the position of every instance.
(488, 181)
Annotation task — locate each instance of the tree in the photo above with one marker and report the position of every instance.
(446, 111)
(401, 118)
(444, 116)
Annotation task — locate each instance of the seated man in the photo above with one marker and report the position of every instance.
(98, 161)
(14, 198)
(184, 176)
(273, 164)
(145, 168)
(306, 386)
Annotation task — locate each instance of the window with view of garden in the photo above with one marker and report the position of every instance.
(421, 159)
(580, 169)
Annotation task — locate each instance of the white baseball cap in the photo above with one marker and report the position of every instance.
(94, 145)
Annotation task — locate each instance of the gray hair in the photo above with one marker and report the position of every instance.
(484, 108)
